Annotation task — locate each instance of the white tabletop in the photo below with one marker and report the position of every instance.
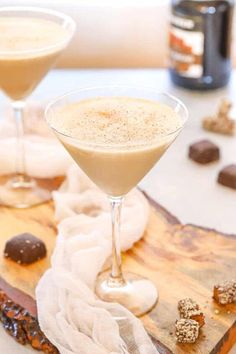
(186, 189)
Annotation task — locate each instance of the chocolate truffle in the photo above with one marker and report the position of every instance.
(25, 249)
(186, 330)
(221, 122)
(189, 309)
(204, 152)
(227, 176)
(225, 293)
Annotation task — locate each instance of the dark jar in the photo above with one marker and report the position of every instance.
(200, 43)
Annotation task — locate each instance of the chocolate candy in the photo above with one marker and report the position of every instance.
(225, 293)
(221, 122)
(25, 249)
(204, 151)
(189, 309)
(227, 176)
(186, 330)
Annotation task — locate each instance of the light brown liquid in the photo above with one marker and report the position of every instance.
(116, 140)
(28, 49)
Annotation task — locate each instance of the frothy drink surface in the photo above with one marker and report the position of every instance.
(116, 140)
(28, 49)
(116, 120)
(22, 33)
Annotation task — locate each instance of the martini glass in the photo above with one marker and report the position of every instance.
(31, 40)
(116, 167)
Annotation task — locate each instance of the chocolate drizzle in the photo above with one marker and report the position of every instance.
(22, 326)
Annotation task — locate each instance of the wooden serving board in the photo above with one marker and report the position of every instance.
(182, 260)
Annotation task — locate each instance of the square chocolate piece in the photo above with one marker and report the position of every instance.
(189, 309)
(204, 152)
(186, 330)
(227, 176)
(225, 293)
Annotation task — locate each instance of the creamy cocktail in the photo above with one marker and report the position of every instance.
(128, 137)
(31, 39)
(116, 135)
(28, 48)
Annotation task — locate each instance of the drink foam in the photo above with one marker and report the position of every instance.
(116, 120)
(23, 33)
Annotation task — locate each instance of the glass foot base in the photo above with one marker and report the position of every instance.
(22, 192)
(137, 294)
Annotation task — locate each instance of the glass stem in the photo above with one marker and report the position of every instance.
(116, 277)
(18, 108)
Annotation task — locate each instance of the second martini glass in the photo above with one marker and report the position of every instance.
(116, 135)
(31, 39)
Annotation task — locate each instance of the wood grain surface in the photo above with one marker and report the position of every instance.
(182, 260)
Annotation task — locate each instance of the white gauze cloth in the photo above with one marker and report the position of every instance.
(69, 312)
